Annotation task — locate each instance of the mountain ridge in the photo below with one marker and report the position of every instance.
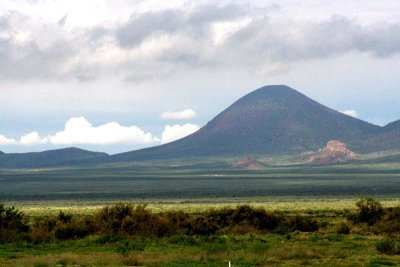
(47, 158)
(271, 119)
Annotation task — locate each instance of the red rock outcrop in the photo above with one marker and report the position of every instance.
(335, 152)
(249, 163)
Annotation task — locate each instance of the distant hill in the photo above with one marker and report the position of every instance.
(58, 157)
(271, 120)
(393, 126)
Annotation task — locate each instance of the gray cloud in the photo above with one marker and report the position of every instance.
(27, 61)
(63, 20)
(136, 50)
(138, 28)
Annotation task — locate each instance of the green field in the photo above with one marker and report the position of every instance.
(324, 193)
(192, 180)
(242, 245)
(242, 250)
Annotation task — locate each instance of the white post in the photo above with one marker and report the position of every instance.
(229, 264)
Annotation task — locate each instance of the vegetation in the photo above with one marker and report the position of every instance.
(125, 234)
(190, 180)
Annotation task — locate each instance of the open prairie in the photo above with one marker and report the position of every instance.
(198, 186)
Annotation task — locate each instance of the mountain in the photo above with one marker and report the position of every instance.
(271, 120)
(58, 157)
(393, 126)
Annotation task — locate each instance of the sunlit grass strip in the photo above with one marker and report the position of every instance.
(198, 205)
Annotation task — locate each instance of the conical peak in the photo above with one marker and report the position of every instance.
(273, 93)
(275, 89)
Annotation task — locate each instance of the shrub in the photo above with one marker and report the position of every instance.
(343, 228)
(43, 229)
(72, 230)
(302, 223)
(242, 219)
(390, 222)
(369, 211)
(12, 224)
(202, 225)
(126, 219)
(387, 246)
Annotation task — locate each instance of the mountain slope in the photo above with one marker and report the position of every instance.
(58, 157)
(270, 120)
(393, 126)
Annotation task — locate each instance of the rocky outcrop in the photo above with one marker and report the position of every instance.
(335, 152)
(249, 163)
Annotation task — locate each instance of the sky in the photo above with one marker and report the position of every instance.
(120, 75)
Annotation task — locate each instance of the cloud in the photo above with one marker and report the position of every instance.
(79, 131)
(175, 132)
(154, 41)
(32, 138)
(351, 112)
(63, 20)
(179, 115)
(4, 141)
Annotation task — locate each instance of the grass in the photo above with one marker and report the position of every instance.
(308, 205)
(195, 181)
(325, 193)
(242, 250)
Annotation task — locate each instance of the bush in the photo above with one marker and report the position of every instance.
(302, 223)
(343, 228)
(369, 211)
(390, 222)
(12, 224)
(72, 230)
(387, 246)
(126, 219)
(43, 229)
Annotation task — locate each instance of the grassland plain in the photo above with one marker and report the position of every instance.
(297, 249)
(190, 180)
(324, 193)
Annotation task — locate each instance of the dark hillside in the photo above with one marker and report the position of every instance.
(58, 157)
(271, 120)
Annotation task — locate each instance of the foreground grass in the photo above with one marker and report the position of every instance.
(296, 249)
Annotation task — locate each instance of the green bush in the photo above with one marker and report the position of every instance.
(243, 218)
(343, 228)
(387, 246)
(43, 229)
(302, 224)
(369, 211)
(12, 224)
(72, 230)
(390, 222)
(126, 219)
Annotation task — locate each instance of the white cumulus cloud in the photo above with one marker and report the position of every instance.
(351, 112)
(6, 141)
(79, 131)
(175, 132)
(32, 138)
(179, 115)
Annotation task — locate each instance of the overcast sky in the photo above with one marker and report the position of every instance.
(120, 75)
